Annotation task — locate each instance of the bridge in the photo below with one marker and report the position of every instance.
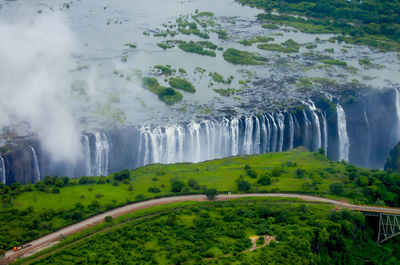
(389, 223)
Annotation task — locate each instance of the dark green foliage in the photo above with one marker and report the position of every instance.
(264, 180)
(108, 219)
(154, 189)
(243, 185)
(211, 193)
(193, 183)
(177, 185)
(336, 188)
(300, 173)
(120, 176)
(180, 83)
(242, 57)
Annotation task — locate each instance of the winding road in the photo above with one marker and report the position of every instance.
(53, 238)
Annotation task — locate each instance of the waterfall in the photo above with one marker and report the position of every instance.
(257, 139)
(281, 125)
(274, 135)
(268, 140)
(102, 150)
(36, 170)
(263, 135)
(325, 125)
(316, 128)
(291, 130)
(306, 130)
(86, 148)
(2, 171)
(248, 136)
(344, 143)
(234, 130)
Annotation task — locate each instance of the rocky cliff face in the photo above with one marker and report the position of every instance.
(362, 132)
(393, 161)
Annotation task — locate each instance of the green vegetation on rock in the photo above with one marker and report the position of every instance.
(181, 83)
(198, 48)
(242, 57)
(373, 23)
(288, 46)
(166, 94)
(255, 40)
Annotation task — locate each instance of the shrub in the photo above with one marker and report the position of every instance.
(154, 190)
(243, 184)
(108, 218)
(193, 183)
(211, 193)
(264, 180)
(336, 188)
(177, 185)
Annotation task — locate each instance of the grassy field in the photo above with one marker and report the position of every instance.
(220, 174)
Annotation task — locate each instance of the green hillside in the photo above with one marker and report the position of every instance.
(219, 233)
(31, 211)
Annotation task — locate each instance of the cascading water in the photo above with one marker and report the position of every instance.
(344, 143)
(36, 170)
(102, 151)
(281, 125)
(274, 134)
(291, 136)
(2, 171)
(325, 126)
(86, 150)
(316, 136)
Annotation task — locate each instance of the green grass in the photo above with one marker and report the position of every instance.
(242, 57)
(335, 62)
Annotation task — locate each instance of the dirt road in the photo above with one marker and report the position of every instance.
(51, 239)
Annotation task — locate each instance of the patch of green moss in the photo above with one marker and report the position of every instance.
(242, 57)
(181, 83)
(334, 62)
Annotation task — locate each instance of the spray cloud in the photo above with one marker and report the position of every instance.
(35, 59)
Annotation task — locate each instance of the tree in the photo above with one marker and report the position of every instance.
(264, 180)
(193, 183)
(177, 185)
(211, 193)
(243, 184)
(108, 218)
(336, 188)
